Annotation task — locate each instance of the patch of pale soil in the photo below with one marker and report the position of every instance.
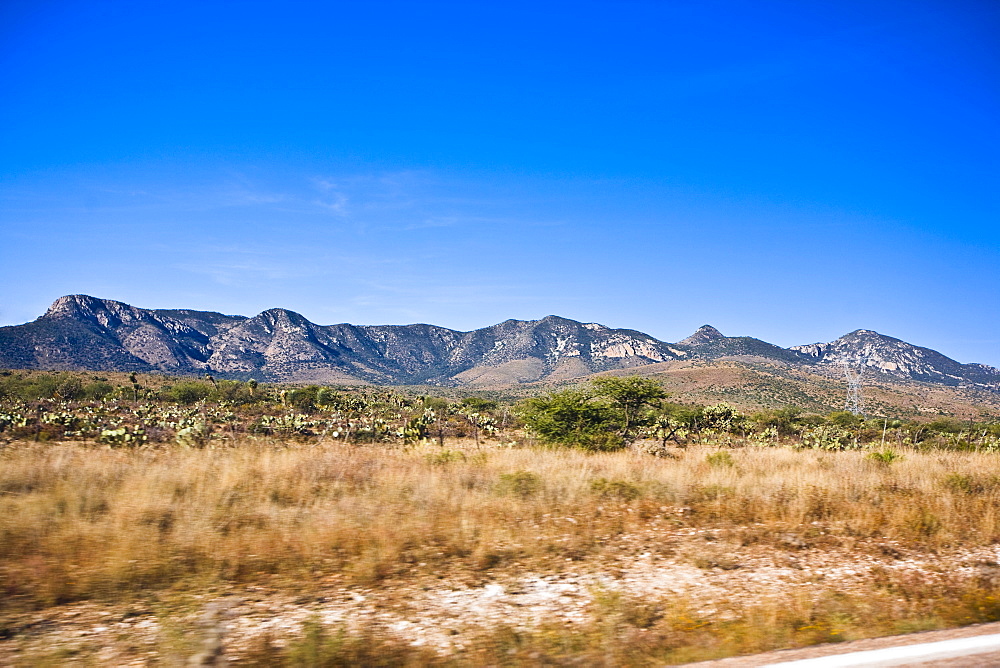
(443, 611)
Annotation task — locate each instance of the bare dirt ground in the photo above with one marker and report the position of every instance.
(443, 610)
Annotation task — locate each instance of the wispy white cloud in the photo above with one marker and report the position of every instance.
(336, 204)
(247, 272)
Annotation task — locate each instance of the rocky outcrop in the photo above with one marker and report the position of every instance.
(709, 343)
(893, 357)
(82, 332)
(704, 335)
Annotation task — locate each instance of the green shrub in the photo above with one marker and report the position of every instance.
(97, 390)
(615, 489)
(885, 457)
(479, 404)
(69, 389)
(604, 441)
(520, 483)
(720, 459)
(966, 483)
(187, 391)
(569, 417)
(444, 457)
(945, 426)
(304, 398)
(844, 419)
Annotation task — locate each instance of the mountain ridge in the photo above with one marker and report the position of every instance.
(84, 332)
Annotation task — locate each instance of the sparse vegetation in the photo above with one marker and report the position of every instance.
(347, 495)
(884, 457)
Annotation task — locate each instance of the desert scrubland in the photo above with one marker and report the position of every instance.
(309, 548)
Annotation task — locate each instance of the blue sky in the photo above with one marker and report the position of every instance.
(786, 170)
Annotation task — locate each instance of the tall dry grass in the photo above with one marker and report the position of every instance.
(82, 522)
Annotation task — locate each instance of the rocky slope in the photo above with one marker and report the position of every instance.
(83, 332)
(884, 354)
(709, 343)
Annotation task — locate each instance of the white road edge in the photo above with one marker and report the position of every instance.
(902, 655)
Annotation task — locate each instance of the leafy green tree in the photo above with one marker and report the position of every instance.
(479, 404)
(98, 389)
(438, 404)
(675, 422)
(187, 392)
(304, 398)
(786, 421)
(70, 389)
(945, 426)
(606, 416)
(41, 387)
(843, 419)
(327, 397)
(631, 399)
(571, 417)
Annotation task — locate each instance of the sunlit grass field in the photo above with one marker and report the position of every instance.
(115, 527)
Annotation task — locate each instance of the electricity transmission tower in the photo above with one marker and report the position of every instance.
(853, 373)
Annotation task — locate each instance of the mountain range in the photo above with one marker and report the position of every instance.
(79, 332)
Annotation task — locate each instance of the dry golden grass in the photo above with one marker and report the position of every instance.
(87, 523)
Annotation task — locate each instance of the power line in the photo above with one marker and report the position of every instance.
(855, 402)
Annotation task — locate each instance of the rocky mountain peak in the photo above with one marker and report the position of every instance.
(866, 335)
(75, 305)
(895, 357)
(557, 321)
(280, 314)
(276, 320)
(103, 312)
(84, 332)
(704, 334)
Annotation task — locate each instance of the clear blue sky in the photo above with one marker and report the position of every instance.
(787, 170)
